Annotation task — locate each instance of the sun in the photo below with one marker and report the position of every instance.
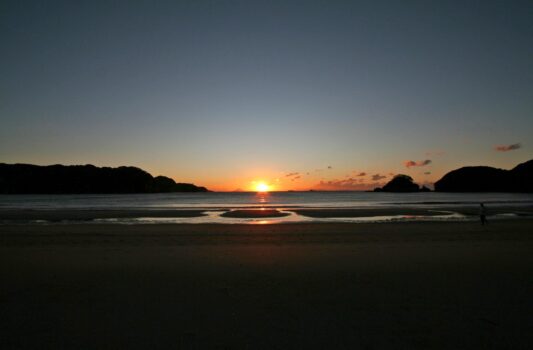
(262, 187)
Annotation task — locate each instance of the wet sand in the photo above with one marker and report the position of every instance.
(365, 212)
(56, 215)
(369, 286)
(254, 213)
(91, 214)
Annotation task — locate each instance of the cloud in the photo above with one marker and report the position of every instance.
(377, 177)
(330, 167)
(292, 174)
(410, 163)
(361, 174)
(507, 148)
(350, 184)
(296, 178)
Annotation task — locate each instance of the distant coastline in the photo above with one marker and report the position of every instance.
(85, 179)
(89, 179)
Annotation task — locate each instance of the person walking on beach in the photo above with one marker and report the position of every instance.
(482, 214)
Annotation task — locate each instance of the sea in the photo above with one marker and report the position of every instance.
(231, 200)
(216, 203)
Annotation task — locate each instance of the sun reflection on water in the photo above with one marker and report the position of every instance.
(262, 222)
(262, 197)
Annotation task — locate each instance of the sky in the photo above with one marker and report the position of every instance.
(336, 95)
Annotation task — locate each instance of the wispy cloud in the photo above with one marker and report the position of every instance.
(330, 167)
(507, 148)
(377, 177)
(292, 174)
(411, 163)
(350, 184)
(361, 174)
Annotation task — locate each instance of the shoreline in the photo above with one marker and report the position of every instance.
(220, 215)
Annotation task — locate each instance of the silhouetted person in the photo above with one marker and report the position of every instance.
(482, 214)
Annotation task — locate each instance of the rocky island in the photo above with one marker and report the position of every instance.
(402, 183)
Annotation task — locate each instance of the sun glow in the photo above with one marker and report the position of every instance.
(262, 187)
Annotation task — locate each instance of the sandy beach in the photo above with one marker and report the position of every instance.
(397, 285)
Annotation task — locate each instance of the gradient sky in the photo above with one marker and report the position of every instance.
(223, 93)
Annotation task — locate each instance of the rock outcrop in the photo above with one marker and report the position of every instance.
(400, 183)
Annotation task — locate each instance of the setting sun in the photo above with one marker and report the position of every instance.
(262, 187)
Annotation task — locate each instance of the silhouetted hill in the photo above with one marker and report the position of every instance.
(400, 183)
(522, 177)
(488, 179)
(61, 179)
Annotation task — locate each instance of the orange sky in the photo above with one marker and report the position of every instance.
(325, 178)
(342, 175)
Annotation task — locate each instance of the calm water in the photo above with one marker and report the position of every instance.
(275, 199)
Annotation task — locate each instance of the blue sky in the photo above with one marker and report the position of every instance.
(223, 93)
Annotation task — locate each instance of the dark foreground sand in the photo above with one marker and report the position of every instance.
(328, 286)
